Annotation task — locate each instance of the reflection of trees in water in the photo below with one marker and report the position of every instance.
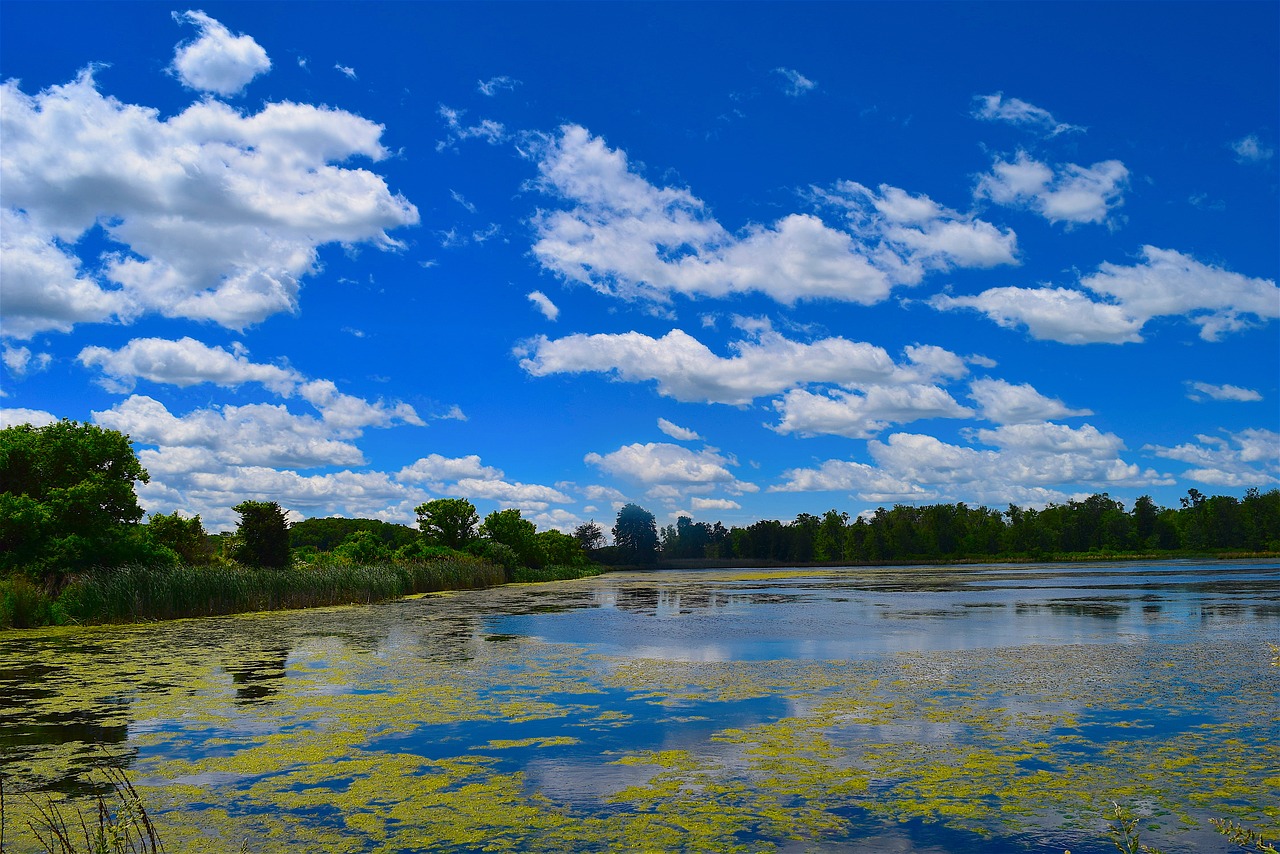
(257, 675)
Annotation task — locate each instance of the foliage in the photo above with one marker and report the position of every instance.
(263, 534)
(68, 500)
(636, 534)
(519, 535)
(1097, 526)
(555, 547)
(327, 533)
(361, 547)
(448, 522)
(554, 572)
(185, 537)
(589, 535)
(119, 823)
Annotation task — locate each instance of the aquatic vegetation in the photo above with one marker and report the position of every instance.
(404, 727)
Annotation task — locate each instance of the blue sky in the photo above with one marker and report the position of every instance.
(735, 261)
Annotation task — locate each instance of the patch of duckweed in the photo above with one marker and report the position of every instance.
(401, 727)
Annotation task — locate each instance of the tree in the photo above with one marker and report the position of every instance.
(519, 535)
(636, 534)
(589, 535)
(68, 500)
(263, 534)
(448, 522)
(560, 549)
(186, 537)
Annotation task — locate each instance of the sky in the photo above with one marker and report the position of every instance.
(730, 261)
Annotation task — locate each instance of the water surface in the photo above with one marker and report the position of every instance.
(994, 709)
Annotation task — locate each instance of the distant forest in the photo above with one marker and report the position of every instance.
(1097, 525)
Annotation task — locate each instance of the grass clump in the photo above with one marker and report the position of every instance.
(561, 572)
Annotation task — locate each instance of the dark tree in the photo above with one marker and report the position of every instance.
(636, 534)
(507, 528)
(589, 535)
(186, 537)
(263, 534)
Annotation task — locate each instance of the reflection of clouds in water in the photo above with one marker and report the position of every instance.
(707, 652)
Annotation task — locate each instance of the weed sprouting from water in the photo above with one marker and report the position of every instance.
(117, 822)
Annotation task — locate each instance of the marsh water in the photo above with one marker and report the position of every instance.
(917, 709)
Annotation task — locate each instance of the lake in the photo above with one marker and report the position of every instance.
(912, 709)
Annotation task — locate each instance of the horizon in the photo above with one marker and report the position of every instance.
(733, 262)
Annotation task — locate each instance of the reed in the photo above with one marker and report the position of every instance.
(132, 593)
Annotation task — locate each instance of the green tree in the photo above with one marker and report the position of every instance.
(186, 537)
(448, 522)
(68, 500)
(263, 534)
(519, 535)
(362, 548)
(560, 549)
(636, 534)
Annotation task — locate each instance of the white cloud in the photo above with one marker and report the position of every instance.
(217, 61)
(171, 195)
(1071, 194)
(1166, 283)
(1250, 149)
(698, 503)
(34, 417)
(185, 362)
(1170, 283)
(494, 85)
(670, 471)
(544, 304)
(1015, 111)
(435, 469)
(1222, 392)
(488, 130)
(1006, 403)
(917, 234)
(628, 238)
(1244, 459)
(468, 477)
(861, 415)
(20, 361)
(346, 70)
(675, 431)
(1032, 464)
(1055, 314)
(687, 370)
(795, 84)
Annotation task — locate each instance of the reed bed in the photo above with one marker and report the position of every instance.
(133, 593)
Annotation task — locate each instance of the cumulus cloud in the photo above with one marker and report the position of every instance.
(918, 235)
(1199, 391)
(626, 237)
(1166, 283)
(670, 471)
(1249, 458)
(794, 83)
(467, 477)
(171, 195)
(1028, 466)
(764, 364)
(20, 361)
(544, 304)
(185, 362)
(1015, 111)
(675, 431)
(1070, 193)
(698, 503)
(34, 417)
(1006, 403)
(217, 61)
(863, 414)
(1251, 149)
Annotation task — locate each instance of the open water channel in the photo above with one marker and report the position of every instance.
(984, 709)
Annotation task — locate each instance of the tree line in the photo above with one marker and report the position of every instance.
(1097, 525)
(69, 505)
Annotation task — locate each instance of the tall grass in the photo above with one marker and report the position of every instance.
(133, 593)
